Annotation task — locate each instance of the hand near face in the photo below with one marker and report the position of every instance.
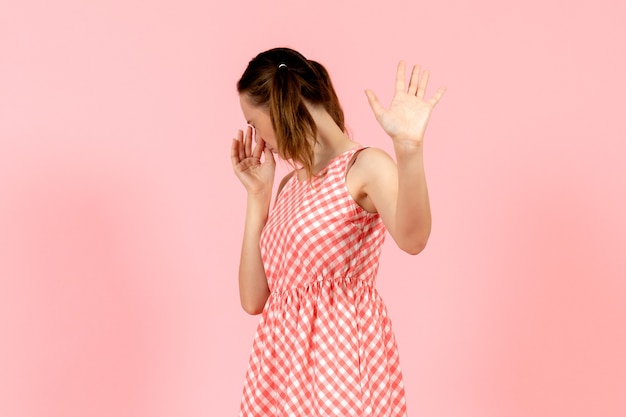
(256, 176)
(407, 117)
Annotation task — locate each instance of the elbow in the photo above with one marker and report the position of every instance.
(253, 296)
(414, 249)
(413, 240)
(252, 309)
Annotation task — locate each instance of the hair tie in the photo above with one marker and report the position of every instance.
(282, 66)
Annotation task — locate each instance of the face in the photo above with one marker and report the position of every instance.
(259, 118)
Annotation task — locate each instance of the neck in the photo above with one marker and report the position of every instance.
(331, 140)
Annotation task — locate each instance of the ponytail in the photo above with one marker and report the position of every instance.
(293, 124)
(331, 102)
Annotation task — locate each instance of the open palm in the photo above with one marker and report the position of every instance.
(407, 117)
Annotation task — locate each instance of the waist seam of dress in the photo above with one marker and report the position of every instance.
(341, 279)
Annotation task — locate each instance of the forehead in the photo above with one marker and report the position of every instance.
(245, 102)
(250, 110)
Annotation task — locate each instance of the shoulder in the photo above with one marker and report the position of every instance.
(370, 164)
(371, 169)
(372, 155)
(373, 174)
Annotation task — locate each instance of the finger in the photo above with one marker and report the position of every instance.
(258, 149)
(248, 141)
(234, 153)
(400, 76)
(421, 90)
(437, 96)
(413, 83)
(240, 149)
(377, 108)
(269, 156)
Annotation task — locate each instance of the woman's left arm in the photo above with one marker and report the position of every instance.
(399, 193)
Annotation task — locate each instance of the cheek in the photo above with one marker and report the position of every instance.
(265, 134)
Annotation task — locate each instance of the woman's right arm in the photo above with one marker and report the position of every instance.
(258, 179)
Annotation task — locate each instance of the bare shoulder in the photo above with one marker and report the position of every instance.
(372, 155)
(372, 170)
(371, 164)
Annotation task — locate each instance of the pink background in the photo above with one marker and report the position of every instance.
(120, 218)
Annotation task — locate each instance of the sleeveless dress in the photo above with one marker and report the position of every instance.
(324, 345)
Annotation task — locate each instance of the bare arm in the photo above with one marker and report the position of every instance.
(399, 192)
(253, 289)
(413, 218)
(257, 177)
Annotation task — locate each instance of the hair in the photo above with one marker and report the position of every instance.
(280, 80)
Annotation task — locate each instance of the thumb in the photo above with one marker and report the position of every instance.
(269, 155)
(377, 108)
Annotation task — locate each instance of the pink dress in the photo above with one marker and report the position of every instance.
(324, 346)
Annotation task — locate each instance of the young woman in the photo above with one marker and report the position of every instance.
(324, 345)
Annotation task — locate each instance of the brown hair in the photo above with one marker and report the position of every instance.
(281, 79)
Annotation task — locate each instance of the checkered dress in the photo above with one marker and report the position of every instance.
(324, 346)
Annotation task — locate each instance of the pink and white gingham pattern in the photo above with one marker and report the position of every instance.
(324, 346)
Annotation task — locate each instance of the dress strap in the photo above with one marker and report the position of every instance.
(351, 157)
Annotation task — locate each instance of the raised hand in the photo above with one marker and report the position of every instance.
(407, 117)
(256, 176)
